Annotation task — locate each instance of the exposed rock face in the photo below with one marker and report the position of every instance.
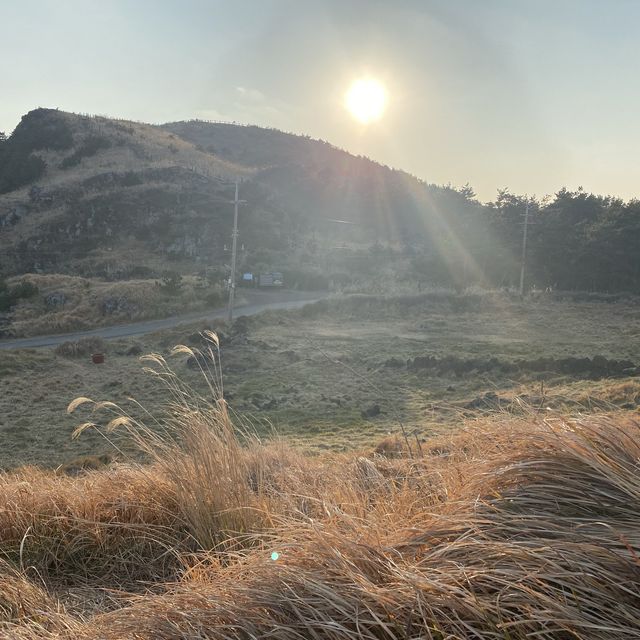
(119, 305)
(55, 299)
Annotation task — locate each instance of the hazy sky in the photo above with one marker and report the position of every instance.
(532, 95)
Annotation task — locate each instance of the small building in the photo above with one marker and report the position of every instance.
(273, 279)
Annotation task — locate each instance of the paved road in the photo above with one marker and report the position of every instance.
(257, 301)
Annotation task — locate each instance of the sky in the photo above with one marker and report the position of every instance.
(529, 95)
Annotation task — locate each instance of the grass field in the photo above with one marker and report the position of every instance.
(473, 474)
(512, 527)
(335, 376)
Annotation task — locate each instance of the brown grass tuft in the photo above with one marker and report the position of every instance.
(540, 541)
(81, 348)
(26, 606)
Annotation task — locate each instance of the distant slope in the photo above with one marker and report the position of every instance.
(111, 198)
(319, 181)
(256, 146)
(315, 179)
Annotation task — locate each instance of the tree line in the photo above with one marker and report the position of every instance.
(575, 241)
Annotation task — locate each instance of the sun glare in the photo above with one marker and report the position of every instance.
(366, 100)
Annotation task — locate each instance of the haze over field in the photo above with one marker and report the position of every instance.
(319, 319)
(498, 93)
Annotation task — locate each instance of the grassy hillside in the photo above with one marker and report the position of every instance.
(105, 206)
(317, 183)
(111, 197)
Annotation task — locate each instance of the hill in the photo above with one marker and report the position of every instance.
(86, 201)
(111, 199)
(100, 197)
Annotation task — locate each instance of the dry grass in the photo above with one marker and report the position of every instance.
(81, 348)
(22, 601)
(618, 393)
(119, 524)
(277, 374)
(146, 147)
(85, 300)
(510, 528)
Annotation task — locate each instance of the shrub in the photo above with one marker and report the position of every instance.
(90, 146)
(9, 296)
(18, 170)
(171, 282)
(82, 348)
(25, 290)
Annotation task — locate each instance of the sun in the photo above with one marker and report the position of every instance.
(366, 100)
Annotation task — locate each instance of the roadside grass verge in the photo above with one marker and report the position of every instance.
(72, 303)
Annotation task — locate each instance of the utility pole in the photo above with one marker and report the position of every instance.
(524, 248)
(232, 282)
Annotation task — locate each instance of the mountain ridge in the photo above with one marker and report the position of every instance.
(150, 173)
(115, 199)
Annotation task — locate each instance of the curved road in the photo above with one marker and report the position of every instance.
(258, 301)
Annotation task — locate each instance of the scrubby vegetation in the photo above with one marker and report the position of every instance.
(39, 129)
(42, 304)
(509, 528)
(81, 348)
(89, 147)
(10, 295)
